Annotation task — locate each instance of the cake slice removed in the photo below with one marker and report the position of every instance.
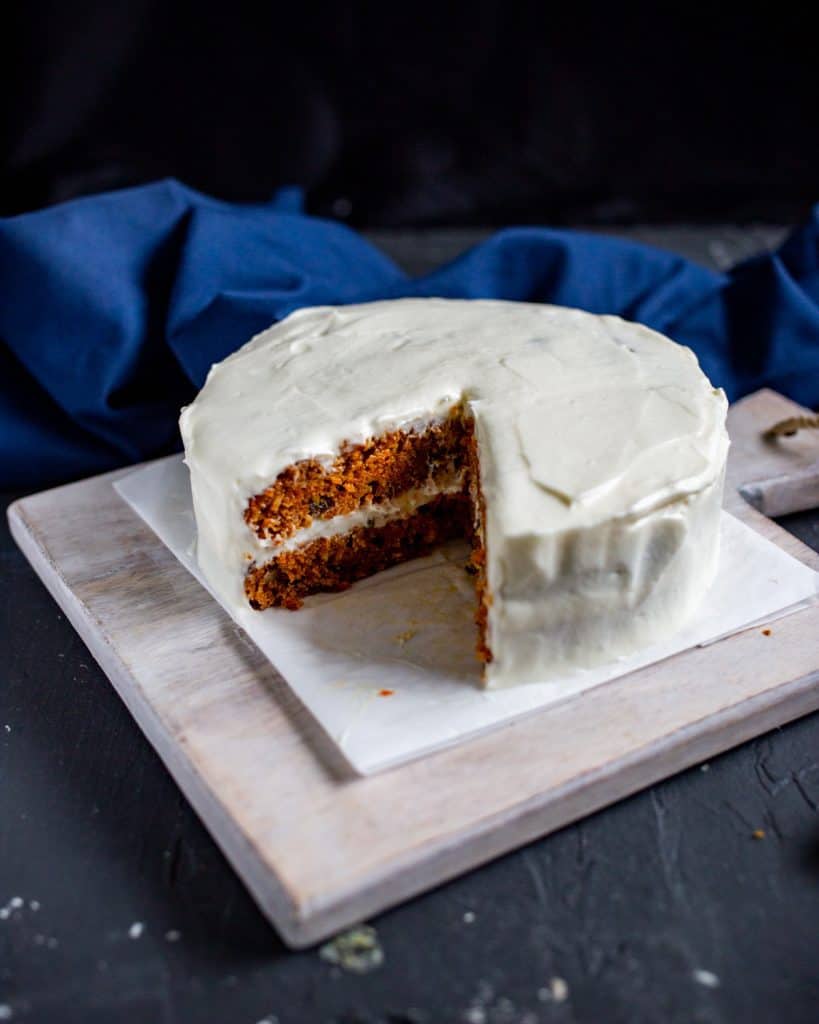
(377, 504)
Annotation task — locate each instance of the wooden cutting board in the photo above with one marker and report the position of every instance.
(320, 849)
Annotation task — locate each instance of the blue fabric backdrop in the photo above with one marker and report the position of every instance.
(113, 307)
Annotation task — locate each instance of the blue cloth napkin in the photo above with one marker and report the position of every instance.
(113, 307)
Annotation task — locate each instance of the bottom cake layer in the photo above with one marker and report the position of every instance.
(334, 563)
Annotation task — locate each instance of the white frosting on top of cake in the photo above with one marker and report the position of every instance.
(581, 420)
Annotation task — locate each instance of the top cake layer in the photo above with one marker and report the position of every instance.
(580, 419)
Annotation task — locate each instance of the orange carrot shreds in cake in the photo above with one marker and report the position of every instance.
(378, 471)
(581, 456)
(336, 562)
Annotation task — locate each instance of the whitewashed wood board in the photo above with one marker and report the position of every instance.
(319, 848)
(408, 634)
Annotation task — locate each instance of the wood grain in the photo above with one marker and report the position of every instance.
(319, 849)
(776, 475)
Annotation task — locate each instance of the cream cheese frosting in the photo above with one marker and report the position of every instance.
(601, 443)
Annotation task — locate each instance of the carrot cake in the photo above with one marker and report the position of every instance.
(581, 456)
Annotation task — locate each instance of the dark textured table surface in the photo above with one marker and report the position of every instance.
(115, 904)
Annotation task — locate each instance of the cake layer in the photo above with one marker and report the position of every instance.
(361, 475)
(334, 563)
(452, 481)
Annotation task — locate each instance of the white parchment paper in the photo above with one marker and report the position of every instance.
(410, 631)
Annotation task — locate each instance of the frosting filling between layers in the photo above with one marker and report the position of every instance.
(371, 516)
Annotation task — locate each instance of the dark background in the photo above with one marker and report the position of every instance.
(399, 118)
(420, 113)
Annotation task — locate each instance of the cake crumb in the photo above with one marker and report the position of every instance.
(6, 1012)
(402, 638)
(386, 693)
(706, 978)
(469, 917)
(758, 833)
(16, 902)
(356, 950)
(136, 929)
(705, 767)
(34, 905)
(560, 989)
(766, 632)
(557, 991)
